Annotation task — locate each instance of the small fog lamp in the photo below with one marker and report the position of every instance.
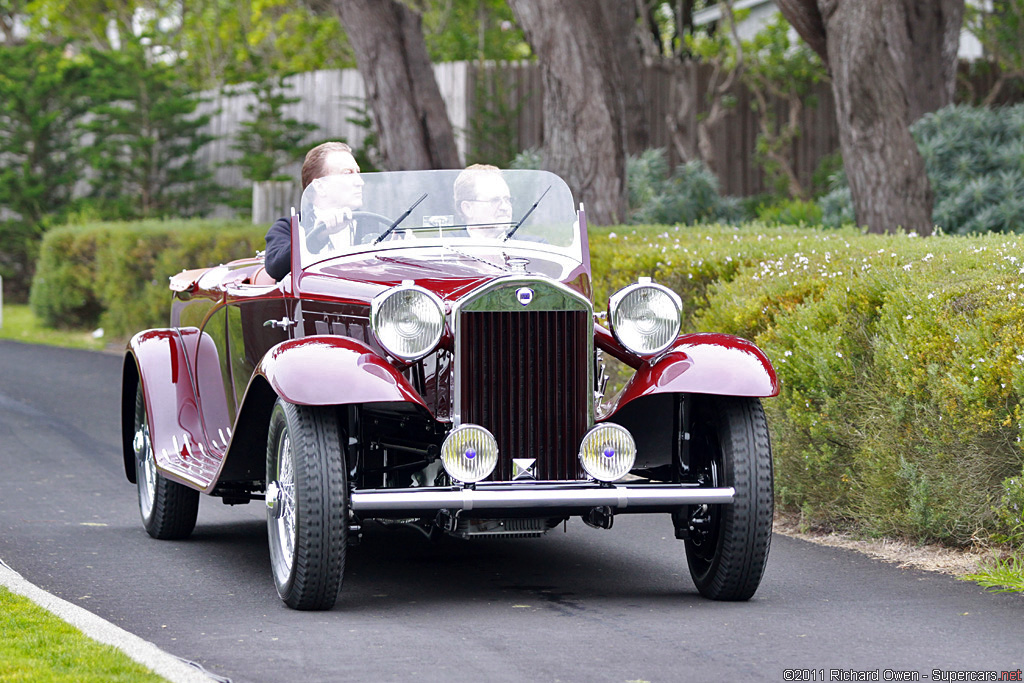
(469, 453)
(607, 452)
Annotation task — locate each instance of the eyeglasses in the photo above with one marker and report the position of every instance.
(494, 202)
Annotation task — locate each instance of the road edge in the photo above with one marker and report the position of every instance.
(102, 631)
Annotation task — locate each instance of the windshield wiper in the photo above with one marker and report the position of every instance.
(526, 215)
(391, 228)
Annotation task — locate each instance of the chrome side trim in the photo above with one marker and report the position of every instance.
(539, 497)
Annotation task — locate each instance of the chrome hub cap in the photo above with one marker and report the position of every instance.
(145, 470)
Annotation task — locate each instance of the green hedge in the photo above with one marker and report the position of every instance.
(901, 359)
(901, 362)
(114, 275)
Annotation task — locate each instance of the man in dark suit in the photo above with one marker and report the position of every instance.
(322, 163)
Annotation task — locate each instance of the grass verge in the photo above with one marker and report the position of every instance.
(1003, 576)
(38, 647)
(19, 324)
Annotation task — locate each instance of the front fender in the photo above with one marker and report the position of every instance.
(705, 364)
(160, 360)
(331, 370)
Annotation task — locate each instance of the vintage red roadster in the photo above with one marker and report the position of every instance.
(422, 365)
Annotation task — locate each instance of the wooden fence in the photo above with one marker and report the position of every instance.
(496, 111)
(516, 90)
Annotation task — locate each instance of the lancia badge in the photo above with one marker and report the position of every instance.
(524, 295)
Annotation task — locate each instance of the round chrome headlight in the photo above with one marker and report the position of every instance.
(469, 453)
(608, 452)
(408, 321)
(645, 317)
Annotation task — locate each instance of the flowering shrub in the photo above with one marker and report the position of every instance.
(901, 362)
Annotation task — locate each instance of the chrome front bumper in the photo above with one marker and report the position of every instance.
(539, 496)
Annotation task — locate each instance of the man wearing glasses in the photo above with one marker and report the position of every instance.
(334, 173)
(482, 201)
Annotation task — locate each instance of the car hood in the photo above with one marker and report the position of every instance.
(449, 273)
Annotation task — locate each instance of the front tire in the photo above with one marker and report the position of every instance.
(307, 505)
(169, 509)
(728, 545)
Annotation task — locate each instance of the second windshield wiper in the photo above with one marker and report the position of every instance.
(526, 215)
(391, 228)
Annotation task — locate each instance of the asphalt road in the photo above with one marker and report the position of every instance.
(585, 605)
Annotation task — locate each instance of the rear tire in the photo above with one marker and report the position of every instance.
(169, 510)
(728, 545)
(307, 505)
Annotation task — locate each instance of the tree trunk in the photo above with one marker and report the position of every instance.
(890, 63)
(933, 35)
(589, 96)
(883, 165)
(410, 116)
(626, 59)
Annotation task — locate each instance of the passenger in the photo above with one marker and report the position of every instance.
(333, 169)
(483, 202)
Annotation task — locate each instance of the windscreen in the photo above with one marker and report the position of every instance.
(474, 208)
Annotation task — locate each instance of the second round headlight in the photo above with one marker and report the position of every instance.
(645, 317)
(408, 321)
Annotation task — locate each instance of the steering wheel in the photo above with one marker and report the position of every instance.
(365, 221)
(369, 226)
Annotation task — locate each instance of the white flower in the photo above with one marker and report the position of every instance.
(788, 353)
(612, 235)
(839, 354)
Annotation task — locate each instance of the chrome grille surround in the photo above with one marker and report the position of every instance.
(538, 417)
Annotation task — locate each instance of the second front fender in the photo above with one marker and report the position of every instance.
(705, 364)
(330, 370)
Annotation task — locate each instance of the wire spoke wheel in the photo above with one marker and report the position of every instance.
(728, 545)
(307, 505)
(169, 510)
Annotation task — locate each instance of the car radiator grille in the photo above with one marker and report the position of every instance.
(524, 376)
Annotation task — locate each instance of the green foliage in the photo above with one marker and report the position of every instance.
(493, 128)
(789, 212)
(899, 359)
(466, 30)
(114, 275)
(145, 140)
(776, 67)
(999, 27)
(528, 159)
(42, 94)
(1010, 511)
(269, 140)
(688, 195)
(973, 159)
(20, 240)
(1002, 576)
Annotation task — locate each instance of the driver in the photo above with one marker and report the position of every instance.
(483, 202)
(332, 170)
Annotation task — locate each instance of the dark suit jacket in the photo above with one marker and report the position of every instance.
(278, 256)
